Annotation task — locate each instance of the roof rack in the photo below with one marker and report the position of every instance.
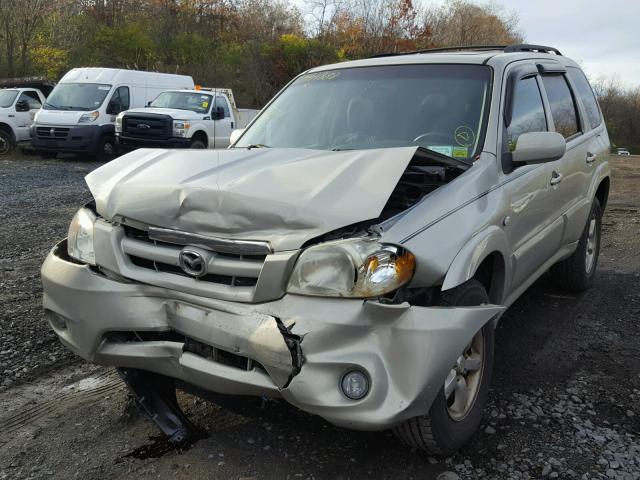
(525, 47)
(477, 48)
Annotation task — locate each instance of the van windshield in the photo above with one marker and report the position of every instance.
(7, 97)
(195, 102)
(435, 106)
(77, 96)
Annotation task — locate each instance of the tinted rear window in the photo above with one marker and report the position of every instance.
(563, 108)
(584, 91)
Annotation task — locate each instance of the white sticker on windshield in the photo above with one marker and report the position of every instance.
(443, 149)
(104, 87)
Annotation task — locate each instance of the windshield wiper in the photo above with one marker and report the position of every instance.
(82, 109)
(258, 145)
(55, 107)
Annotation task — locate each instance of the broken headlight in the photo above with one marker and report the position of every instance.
(80, 237)
(356, 268)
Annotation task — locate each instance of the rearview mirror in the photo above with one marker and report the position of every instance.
(538, 147)
(235, 135)
(22, 106)
(114, 108)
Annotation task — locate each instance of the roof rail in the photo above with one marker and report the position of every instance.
(478, 48)
(525, 47)
(443, 49)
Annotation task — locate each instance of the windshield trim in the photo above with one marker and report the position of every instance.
(486, 107)
(171, 92)
(98, 107)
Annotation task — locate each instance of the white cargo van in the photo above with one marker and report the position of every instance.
(79, 115)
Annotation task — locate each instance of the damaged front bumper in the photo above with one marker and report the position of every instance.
(296, 347)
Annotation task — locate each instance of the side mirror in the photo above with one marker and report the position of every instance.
(217, 113)
(22, 106)
(235, 135)
(538, 147)
(149, 103)
(114, 108)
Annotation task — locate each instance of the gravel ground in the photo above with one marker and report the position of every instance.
(564, 402)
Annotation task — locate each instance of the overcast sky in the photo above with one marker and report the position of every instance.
(602, 35)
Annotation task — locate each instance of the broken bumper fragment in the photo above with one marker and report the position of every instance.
(296, 347)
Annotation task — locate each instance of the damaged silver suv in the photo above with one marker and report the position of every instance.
(353, 251)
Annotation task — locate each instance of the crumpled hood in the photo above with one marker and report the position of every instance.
(283, 196)
(174, 113)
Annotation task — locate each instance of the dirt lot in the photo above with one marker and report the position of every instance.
(564, 402)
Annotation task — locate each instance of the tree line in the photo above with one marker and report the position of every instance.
(252, 46)
(257, 46)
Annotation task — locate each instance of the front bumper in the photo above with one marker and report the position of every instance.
(69, 138)
(130, 143)
(406, 351)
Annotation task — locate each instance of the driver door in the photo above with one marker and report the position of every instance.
(224, 126)
(533, 231)
(24, 118)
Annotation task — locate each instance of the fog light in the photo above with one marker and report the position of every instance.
(355, 385)
(58, 321)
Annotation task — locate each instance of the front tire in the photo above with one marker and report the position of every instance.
(197, 144)
(576, 273)
(7, 142)
(457, 409)
(106, 148)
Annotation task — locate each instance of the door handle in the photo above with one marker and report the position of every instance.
(591, 157)
(231, 124)
(556, 178)
(11, 116)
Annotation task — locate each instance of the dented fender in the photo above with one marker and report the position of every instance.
(406, 351)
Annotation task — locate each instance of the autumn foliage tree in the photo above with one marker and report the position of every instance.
(252, 46)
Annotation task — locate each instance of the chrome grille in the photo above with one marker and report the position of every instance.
(234, 270)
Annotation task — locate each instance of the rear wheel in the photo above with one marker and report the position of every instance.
(576, 273)
(456, 412)
(6, 142)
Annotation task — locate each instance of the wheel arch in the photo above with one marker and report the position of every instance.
(9, 129)
(484, 258)
(202, 136)
(602, 192)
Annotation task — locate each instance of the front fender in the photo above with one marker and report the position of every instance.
(469, 258)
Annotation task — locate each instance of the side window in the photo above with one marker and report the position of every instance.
(563, 107)
(32, 99)
(528, 111)
(222, 102)
(584, 91)
(119, 101)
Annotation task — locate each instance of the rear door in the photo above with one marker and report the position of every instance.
(570, 176)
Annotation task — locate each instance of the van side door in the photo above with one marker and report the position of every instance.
(534, 234)
(223, 126)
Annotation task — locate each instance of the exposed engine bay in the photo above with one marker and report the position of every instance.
(426, 172)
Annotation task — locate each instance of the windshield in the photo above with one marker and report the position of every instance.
(77, 96)
(440, 107)
(195, 102)
(7, 97)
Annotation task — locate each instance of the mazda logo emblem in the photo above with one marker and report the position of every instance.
(143, 125)
(192, 263)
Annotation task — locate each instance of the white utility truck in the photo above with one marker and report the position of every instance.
(18, 107)
(200, 118)
(79, 116)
